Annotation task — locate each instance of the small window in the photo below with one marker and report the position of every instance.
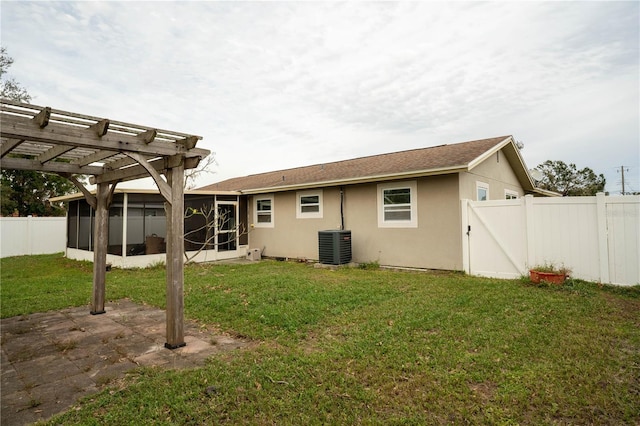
(397, 205)
(263, 213)
(510, 195)
(482, 191)
(309, 205)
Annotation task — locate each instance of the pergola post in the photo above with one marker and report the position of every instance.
(101, 234)
(175, 258)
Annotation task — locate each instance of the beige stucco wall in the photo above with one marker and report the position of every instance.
(291, 237)
(434, 243)
(494, 171)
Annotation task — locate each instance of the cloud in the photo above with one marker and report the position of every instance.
(275, 85)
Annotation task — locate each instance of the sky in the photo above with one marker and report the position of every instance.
(275, 85)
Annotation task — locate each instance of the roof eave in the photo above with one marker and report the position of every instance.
(488, 153)
(544, 192)
(359, 180)
(79, 195)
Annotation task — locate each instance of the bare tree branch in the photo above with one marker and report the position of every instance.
(205, 167)
(214, 222)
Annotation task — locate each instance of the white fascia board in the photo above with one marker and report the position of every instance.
(79, 195)
(353, 181)
(479, 159)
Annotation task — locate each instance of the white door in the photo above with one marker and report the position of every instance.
(226, 225)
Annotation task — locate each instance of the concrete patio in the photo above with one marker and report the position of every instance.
(50, 360)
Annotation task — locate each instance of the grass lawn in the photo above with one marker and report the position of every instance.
(364, 346)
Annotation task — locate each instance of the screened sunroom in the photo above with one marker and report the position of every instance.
(215, 227)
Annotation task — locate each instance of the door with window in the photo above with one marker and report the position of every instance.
(227, 226)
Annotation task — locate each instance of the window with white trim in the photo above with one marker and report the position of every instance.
(397, 205)
(309, 205)
(510, 195)
(482, 191)
(263, 216)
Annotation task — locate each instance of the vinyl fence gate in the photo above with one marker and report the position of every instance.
(598, 237)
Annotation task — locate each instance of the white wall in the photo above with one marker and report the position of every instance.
(598, 238)
(144, 261)
(32, 235)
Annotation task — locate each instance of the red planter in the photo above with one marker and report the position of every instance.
(547, 277)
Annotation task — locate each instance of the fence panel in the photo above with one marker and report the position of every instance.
(32, 235)
(623, 225)
(565, 233)
(598, 238)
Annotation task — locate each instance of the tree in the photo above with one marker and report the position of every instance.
(9, 88)
(567, 180)
(28, 192)
(24, 191)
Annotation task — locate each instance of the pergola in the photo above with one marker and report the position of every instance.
(70, 144)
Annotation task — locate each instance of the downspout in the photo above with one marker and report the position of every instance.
(342, 208)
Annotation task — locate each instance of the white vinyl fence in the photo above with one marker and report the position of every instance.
(32, 235)
(598, 238)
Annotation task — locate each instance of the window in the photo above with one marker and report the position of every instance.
(263, 212)
(397, 205)
(510, 195)
(309, 205)
(482, 191)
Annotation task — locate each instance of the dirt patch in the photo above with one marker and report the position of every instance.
(484, 391)
(629, 309)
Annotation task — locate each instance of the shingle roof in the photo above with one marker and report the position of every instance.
(442, 158)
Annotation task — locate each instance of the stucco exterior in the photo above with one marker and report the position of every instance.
(291, 237)
(497, 173)
(434, 242)
(402, 208)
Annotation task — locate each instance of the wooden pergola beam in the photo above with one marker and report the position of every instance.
(42, 118)
(163, 186)
(88, 196)
(161, 165)
(188, 142)
(53, 153)
(9, 145)
(51, 166)
(101, 127)
(148, 136)
(15, 127)
(94, 158)
(120, 163)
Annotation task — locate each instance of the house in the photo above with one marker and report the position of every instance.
(402, 208)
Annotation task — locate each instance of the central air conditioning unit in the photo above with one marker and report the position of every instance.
(334, 247)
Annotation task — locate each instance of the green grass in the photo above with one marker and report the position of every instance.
(365, 346)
